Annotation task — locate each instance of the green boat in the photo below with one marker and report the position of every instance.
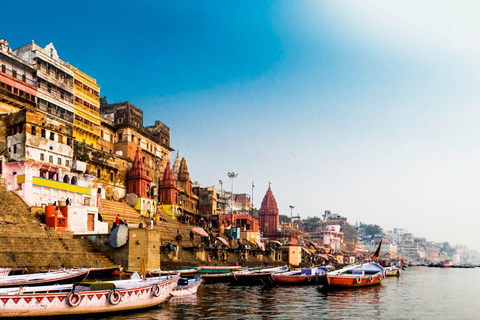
(217, 269)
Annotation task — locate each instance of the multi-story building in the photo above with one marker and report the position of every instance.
(130, 134)
(86, 105)
(54, 81)
(330, 236)
(18, 85)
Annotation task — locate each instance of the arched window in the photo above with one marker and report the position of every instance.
(74, 180)
(66, 179)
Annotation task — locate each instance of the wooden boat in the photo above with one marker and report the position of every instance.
(4, 272)
(256, 277)
(393, 271)
(186, 287)
(218, 269)
(183, 272)
(86, 297)
(218, 277)
(304, 276)
(42, 279)
(359, 275)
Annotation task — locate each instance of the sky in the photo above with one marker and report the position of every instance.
(368, 109)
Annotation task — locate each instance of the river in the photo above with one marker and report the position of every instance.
(420, 293)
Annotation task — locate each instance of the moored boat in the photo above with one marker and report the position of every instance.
(218, 269)
(43, 279)
(256, 277)
(85, 298)
(393, 271)
(186, 287)
(183, 273)
(4, 272)
(359, 275)
(218, 277)
(304, 276)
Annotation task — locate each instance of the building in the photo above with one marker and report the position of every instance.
(269, 215)
(331, 237)
(154, 142)
(54, 81)
(18, 84)
(86, 105)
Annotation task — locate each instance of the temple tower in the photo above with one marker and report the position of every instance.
(268, 214)
(168, 189)
(138, 181)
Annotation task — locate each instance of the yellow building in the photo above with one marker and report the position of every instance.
(87, 108)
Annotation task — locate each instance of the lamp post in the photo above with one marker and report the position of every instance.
(232, 175)
(291, 220)
(221, 206)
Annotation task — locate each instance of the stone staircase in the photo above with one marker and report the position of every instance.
(25, 242)
(112, 208)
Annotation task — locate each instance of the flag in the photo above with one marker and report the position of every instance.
(377, 253)
(143, 270)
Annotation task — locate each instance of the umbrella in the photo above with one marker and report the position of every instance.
(223, 241)
(119, 236)
(306, 250)
(200, 231)
(260, 244)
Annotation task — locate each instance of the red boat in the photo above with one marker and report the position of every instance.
(359, 275)
(305, 276)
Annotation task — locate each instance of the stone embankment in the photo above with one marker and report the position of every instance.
(26, 242)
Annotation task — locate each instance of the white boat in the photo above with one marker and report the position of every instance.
(393, 271)
(4, 272)
(43, 279)
(186, 287)
(86, 297)
(358, 275)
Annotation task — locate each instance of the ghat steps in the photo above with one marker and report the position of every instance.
(25, 242)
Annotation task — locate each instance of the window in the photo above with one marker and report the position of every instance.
(42, 157)
(14, 148)
(120, 136)
(59, 161)
(68, 141)
(67, 163)
(24, 78)
(101, 134)
(14, 73)
(99, 172)
(4, 68)
(20, 128)
(50, 159)
(44, 133)
(34, 131)
(52, 136)
(111, 176)
(60, 139)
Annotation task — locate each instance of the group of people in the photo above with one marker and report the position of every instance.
(118, 222)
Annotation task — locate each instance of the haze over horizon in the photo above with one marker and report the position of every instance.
(365, 109)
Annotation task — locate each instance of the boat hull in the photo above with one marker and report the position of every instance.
(55, 304)
(352, 281)
(292, 280)
(43, 279)
(186, 290)
(218, 278)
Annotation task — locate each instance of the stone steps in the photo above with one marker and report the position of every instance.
(25, 242)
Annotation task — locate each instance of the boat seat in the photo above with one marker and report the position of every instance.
(93, 286)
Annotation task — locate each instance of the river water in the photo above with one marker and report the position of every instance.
(420, 293)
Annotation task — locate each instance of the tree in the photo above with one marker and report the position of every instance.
(372, 229)
(103, 101)
(350, 233)
(310, 224)
(283, 218)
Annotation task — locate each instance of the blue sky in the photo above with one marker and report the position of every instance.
(366, 109)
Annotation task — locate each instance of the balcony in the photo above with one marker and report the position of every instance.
(90, 129)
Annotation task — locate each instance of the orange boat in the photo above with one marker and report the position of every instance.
(359, 275)
(304, 276)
